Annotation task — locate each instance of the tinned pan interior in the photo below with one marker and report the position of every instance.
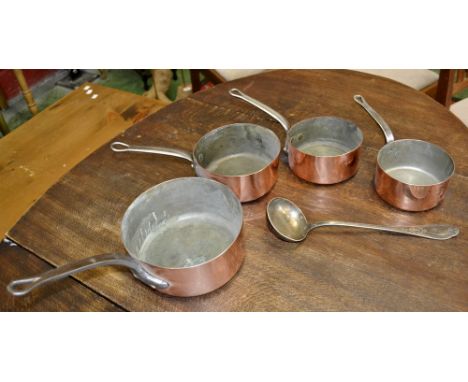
(325, 136)
(416, 162)
(237, 149)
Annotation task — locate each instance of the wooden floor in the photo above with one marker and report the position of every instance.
(37, 154)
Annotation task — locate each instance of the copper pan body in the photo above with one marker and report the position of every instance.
(202, 279)
(246, 187)
(322, 150)
(412, 175)
(324, 170)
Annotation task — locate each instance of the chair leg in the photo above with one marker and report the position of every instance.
(195, 79)
(213, 76)
(210, 75)
(445, 86)
(26, 91)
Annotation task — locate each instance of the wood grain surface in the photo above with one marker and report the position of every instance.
(43, 149)
(68, 295)
(335, 269)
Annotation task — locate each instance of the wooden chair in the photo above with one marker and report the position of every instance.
(452, 81)
(424, 80)
(27, 97)
(218, 76)
(26, 91)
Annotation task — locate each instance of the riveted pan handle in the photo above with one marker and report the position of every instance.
(120, 147)
(376, 117)
(24, 286)
(267, 109)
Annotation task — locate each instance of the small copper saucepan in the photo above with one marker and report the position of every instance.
(182, 236)
(322, 150)
(242, 156)
(411, 174)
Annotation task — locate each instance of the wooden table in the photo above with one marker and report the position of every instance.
(334, 269)
(43, 149)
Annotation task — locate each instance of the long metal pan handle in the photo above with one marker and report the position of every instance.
(260, 105)
(376, 117)
(120, 147)
(431, 231)
(24, 286)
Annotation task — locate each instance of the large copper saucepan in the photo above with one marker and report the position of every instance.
(243, 156)
(411, 174)
(322, 150)
(181, 235)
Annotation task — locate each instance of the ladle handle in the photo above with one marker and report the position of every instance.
(431, 231)
(120, 147)
(376, 117)
(24, 286)
(260, 105)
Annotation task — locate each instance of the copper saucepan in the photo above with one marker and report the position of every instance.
(322, 150)
(411, 174)
(181, 235)
(243, 156)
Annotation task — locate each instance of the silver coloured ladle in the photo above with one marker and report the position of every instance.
(290, 224)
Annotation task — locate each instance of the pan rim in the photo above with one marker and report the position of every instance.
(379, 154)
(214, 131)
(149, 266)
(321, 117)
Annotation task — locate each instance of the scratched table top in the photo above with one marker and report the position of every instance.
(334, 269)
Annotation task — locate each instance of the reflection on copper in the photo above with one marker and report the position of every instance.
(324, 169)
(406, 196)
(202, 278)
(246, 187)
